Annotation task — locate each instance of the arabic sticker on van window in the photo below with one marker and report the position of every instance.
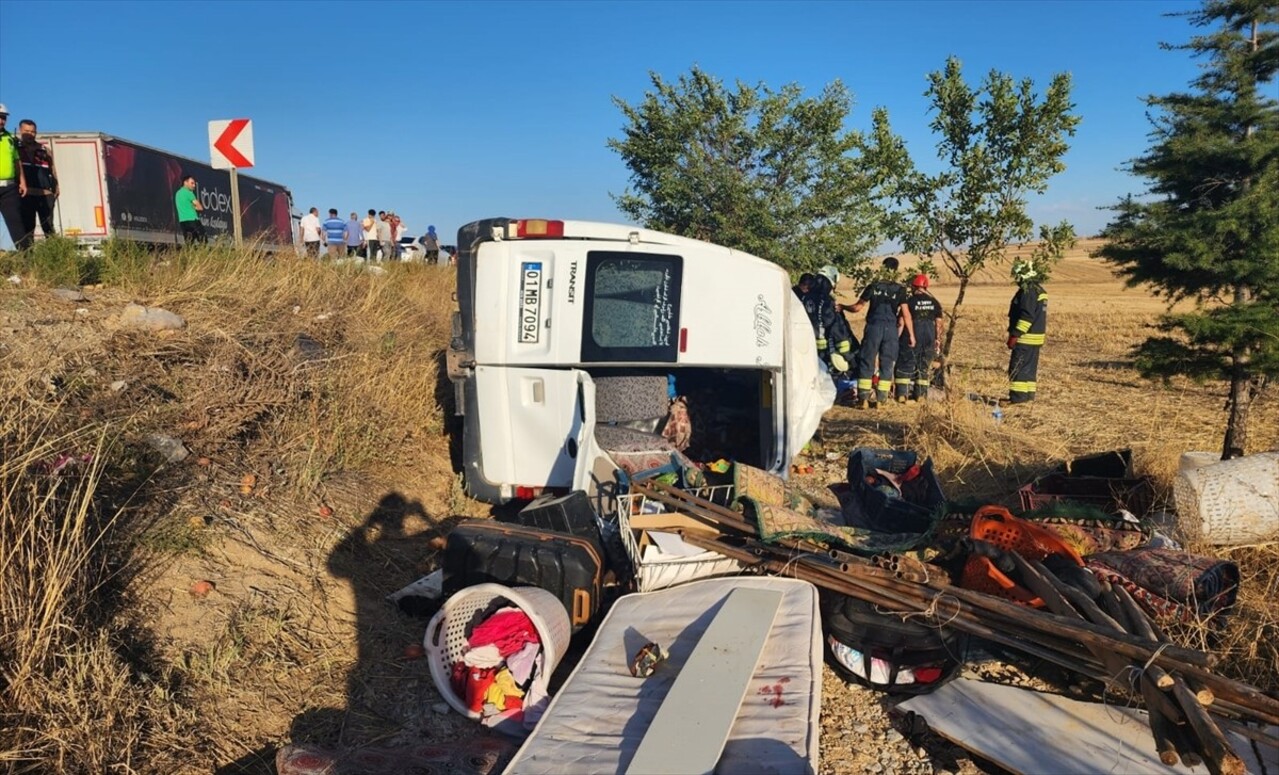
(530, 318)
(663, 311)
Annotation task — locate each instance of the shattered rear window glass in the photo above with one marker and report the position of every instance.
(632, 311)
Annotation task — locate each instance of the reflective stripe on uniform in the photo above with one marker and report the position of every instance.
(1023, 326)
(1022, 387)
(1032, 340)
(10, 162)
(901, 381)
(922, 383)
(844, 346)
(864, 384)
(1042, 297)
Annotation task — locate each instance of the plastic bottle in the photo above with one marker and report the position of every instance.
(998, 413)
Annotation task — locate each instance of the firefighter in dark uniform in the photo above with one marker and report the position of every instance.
(1027, 323)
(914, 364)
(834, 337)
(887, 299)
(802, 287)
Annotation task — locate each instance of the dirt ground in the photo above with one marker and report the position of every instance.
(296, 643)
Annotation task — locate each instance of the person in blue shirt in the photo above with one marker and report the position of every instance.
(354, 236)
(334, 233)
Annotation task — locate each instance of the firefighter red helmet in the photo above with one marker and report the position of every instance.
(920, 281)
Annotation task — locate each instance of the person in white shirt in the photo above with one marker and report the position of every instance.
(370, 236)
(311, 232)
(385, 236)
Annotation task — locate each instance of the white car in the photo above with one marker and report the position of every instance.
(409, 249)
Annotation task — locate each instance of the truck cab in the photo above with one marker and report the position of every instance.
(571, 338)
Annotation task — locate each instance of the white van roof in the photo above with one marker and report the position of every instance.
(617, 232)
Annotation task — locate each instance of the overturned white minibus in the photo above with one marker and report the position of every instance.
(570, 338)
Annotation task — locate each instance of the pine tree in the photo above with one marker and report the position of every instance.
(1207, 229)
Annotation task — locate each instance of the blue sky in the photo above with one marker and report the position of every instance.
(448, 112)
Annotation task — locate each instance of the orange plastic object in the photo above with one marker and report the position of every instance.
(996, 525)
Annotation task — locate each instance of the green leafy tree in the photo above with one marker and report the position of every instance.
(1207, 229)
(772, 173)
(997, 144)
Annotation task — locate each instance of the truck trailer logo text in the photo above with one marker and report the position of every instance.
(530, 322)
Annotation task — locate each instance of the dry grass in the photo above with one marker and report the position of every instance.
(298, 374)
(72, 699)
(324, 385)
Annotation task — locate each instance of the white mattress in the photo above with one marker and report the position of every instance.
(598, 717)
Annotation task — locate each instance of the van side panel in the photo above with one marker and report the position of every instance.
(532, 424)
(734, 310)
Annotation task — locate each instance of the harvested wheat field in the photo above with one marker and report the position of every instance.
(200, 524)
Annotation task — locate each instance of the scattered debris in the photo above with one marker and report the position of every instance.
(151, 318)
(307, 349)
(646, 660)
(61, 463)
(69, 294)
(247, 483)
(201, 589)
(481, 756)
(1040, 732)
(171, 449)
(1230, 502)
(420, 594)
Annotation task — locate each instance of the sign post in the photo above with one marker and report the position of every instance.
(230, 148)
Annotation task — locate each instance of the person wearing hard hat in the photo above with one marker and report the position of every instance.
(1027, 325)
(834, 337)
(13, 184)
(887, 299)
(914, 364)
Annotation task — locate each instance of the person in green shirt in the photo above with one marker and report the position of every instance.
(189, 208)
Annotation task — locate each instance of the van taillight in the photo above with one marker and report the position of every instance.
(523, 493)
(536, 227)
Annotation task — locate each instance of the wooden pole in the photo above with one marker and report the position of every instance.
(1219, 756)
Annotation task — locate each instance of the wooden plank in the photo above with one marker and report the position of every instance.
(691, 726)
(1025, 731)
(669, 522)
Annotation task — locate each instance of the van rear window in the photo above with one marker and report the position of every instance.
(632, 307)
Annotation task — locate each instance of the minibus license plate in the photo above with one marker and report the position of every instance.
(530, 302)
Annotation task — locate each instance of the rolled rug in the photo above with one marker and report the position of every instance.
(1171, 583)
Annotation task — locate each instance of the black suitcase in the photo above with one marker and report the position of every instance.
(570, 513)
(478, 551)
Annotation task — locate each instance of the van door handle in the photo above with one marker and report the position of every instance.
(539, 391)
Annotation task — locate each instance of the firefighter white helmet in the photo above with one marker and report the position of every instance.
(830, 273)
(1024, 271)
